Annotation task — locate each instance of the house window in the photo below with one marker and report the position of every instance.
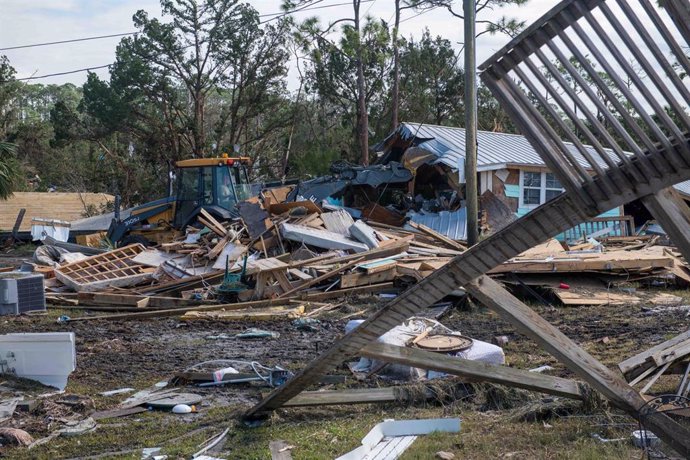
(531, 188)
(553, 186)
(537, 188)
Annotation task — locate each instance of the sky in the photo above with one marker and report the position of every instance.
(24, 22)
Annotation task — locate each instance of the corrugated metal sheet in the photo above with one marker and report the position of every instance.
(683, 188)
(452, 224)
(494, 149)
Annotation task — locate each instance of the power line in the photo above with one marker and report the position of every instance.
(418, 14)
(99, 37)
(277, 16)
(60, 73)
(297, 10)
(66, 41)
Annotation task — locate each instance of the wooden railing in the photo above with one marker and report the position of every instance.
(600, 227)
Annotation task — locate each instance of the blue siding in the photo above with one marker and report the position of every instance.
(578, 231)
(512, 191)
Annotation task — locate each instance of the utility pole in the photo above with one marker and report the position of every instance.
(471, 188)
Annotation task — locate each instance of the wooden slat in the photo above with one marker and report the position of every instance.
(318, 279)
(601, 378)
(58, 206)
(355, 396)
(628, 366)
(473, 370)
(472, 263)
(673, 214)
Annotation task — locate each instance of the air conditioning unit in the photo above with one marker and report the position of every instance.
(21, 292)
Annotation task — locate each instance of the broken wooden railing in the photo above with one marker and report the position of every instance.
(638, 129)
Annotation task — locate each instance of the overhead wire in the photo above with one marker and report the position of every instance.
(60, 73)
(417, 15)
(73, 40)
(124, 34)
(99, 37)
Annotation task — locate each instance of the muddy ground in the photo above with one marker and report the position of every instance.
(139, 353)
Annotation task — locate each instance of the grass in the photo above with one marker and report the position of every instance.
(489, 429)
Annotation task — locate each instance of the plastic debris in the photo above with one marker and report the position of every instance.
(182, 409)
(306, 324)
(254, 333)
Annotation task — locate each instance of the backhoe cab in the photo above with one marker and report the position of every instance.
(213, 184)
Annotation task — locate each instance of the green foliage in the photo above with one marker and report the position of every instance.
(431, 81)
(206, 77)
(332, 75)
(9, 170)
(9, 88)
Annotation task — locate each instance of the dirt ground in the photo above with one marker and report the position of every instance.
(139, 353)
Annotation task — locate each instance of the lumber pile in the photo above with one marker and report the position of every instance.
(273, 251)
(285, 250)
(595, 274)
(651, 364)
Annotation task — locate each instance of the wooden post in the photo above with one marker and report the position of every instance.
(474, 370)
(471, 186)
(601, 378)
(17, 224)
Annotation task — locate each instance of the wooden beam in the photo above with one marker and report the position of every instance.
(672, 213)
(131, 300)
(601, 378)
(338, 293)
(182, 310)
(635, 365)
(475, 371)
(237, 306)
(362, 279)
(545, 222)
(356, 396)
(438, 236)
(318, 279)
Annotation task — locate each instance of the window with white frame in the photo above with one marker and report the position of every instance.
(537, 188)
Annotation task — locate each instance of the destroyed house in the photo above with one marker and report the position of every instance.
(507, 166)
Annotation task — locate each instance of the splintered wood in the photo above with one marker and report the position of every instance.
(112, 269)
(622, 163)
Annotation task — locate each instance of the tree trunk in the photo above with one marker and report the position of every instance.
(286, 156)
(198, 127)
(362, 118)
(395, 99)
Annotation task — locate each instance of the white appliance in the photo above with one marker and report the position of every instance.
(48, 357)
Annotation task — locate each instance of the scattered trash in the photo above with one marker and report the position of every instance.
(211, 444)
(150, 452)
(182, 409)
(77, 428)
(541, 369)
(645, 439)
(306, 324)
(168, 402)
(16, 436)
(117, 392)
(254, 333)
(395, 437)
(219, 337)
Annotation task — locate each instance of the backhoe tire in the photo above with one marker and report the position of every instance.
(134, 239)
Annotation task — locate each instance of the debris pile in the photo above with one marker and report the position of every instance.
(279, 250)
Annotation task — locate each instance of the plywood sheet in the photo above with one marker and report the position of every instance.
(58, 206)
